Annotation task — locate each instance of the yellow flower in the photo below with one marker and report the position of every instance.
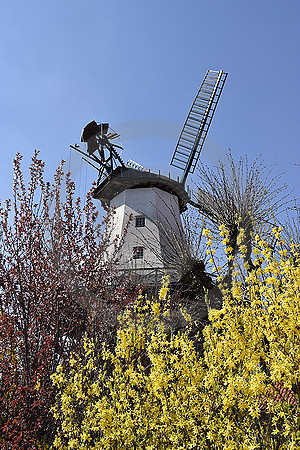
(163, 292)
(156, 390)
(205, 232)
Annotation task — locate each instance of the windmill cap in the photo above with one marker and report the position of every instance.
(124, 178)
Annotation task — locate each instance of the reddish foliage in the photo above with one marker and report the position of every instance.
(56, 284)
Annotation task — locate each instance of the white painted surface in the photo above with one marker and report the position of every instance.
(162, 227)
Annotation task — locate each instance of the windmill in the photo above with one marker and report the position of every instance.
(153, 201)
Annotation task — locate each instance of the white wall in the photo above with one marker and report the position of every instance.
(162, 226)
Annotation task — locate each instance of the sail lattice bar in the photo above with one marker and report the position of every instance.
(193, 134)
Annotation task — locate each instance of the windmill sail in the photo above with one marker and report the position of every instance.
(193, 134)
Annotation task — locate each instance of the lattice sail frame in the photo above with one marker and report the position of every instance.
(195, 129)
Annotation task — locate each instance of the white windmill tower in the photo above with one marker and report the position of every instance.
(152, 203)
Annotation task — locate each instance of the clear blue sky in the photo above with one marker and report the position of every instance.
(64, 63)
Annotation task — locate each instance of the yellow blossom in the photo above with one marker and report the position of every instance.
(154, 389)
(206, 232)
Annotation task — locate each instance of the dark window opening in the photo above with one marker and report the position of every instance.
(138, 252)
(140, 221)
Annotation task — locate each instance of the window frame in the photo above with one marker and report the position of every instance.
(143, 219)
(138, 252)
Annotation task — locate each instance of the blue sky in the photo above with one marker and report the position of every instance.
(138, 65)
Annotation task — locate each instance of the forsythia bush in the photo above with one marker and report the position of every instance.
(154, 391)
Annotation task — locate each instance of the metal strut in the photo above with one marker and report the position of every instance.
(97, 137)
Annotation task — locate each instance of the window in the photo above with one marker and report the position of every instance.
(140, 221)
(138, 252)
